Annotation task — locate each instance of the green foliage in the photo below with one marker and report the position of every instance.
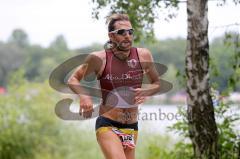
(183, 148)
(19, 37)
(12, 57)
(233, 39)
(171, 77)
(30, 128)
(38, 62)
(142, 13)
(153, 146)
(25, 121)
(59, 44)
(223, 2)
(225, 55)
(166, 51)
(228, 140)
(226, 114)
(227, 117)
(89, 49)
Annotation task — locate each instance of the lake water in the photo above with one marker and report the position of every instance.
(154, 119)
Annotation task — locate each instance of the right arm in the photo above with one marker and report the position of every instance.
(90, 66)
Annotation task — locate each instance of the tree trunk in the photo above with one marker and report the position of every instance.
(202, 125)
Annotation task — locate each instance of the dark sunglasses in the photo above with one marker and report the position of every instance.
(123, 31)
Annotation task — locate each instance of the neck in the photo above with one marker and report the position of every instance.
(121, 54)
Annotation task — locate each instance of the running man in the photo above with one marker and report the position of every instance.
(119, 69)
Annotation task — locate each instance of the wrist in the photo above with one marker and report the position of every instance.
(83, 96)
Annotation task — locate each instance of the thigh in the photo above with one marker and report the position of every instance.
(130, 153)
(111, 145)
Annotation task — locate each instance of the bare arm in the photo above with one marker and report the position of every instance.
(90, 66)
(152, 74)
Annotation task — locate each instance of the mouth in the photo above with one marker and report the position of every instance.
(126, 43)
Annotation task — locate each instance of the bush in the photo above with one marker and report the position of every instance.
(229, 141)
(30, 128)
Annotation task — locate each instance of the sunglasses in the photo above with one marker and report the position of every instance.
(123, 31)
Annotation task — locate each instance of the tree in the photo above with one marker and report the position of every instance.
(12, 57)
(59, 43)
(201, 120)
(142, 13)
(58, 49)
(19, 37)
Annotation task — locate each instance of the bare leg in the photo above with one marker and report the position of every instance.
(111, 145)
(130, 153)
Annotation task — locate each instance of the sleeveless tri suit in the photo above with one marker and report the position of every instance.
(118, 79)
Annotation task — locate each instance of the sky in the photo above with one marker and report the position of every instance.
(43, 20)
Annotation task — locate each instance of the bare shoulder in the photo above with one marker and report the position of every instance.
(97, 55)
(96, 60)
(145, 58)
(144, 54)
(100, 53)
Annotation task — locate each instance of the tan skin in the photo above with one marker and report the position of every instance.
(109, 141)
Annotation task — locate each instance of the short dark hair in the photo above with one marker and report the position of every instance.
(113, 18)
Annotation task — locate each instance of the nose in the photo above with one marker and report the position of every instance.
(127, 35)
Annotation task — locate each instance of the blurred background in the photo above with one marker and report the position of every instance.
(38, 36)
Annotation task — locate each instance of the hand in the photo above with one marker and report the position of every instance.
(140, 95)
(86, 106)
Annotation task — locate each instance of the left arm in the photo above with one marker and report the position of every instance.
(149, 69)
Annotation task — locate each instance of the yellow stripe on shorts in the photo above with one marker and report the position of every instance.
(124, 130)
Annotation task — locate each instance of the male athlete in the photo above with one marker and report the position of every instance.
(119, 69)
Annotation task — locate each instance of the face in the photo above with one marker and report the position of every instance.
(124, 41)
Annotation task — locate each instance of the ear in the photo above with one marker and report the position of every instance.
(110, 35)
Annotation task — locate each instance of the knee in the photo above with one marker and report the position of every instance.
(129, 153)
(118, 157)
